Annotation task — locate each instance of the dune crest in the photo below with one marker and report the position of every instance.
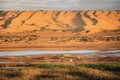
(98, 29)
(59, 21)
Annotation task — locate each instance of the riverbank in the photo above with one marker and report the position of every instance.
(72, 46)
(56, 59)
(60, 67)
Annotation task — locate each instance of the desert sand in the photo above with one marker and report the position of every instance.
(21, 30)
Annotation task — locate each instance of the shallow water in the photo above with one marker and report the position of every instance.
(36, 52)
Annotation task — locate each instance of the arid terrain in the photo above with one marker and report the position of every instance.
(60, 67)
(60, 30)
(98, 29)
(56, 59)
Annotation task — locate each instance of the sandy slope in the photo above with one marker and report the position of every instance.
(60, 29)
(76, 21)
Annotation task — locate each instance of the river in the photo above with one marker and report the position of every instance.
(38, 52)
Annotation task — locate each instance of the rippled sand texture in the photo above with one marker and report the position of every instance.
(59, 21)
(98, 29)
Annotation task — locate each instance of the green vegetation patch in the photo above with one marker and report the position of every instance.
(50, 66)
(110, 66)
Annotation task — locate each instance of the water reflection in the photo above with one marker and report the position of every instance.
(35, 52)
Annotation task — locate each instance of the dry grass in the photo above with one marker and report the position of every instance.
(60, 72)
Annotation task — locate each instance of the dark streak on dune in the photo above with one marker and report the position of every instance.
(117, 12)
(1, 19)
(32, 24)
(94, 13)
(92, 19)
(57, 14)
(79, 22)
(9, 20)
(55, 17)
(65, 12)
(28, 18)
(109, 13)
(3, 13)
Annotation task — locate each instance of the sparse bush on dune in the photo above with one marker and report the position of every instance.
(6, 40)
(87, 31)
(58, 39)
(54, 38)
(18, 38)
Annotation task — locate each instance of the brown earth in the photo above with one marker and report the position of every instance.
(56, 59)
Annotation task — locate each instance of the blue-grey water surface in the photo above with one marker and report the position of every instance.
(38, 52)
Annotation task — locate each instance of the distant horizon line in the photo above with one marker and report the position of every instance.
(65, 10)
